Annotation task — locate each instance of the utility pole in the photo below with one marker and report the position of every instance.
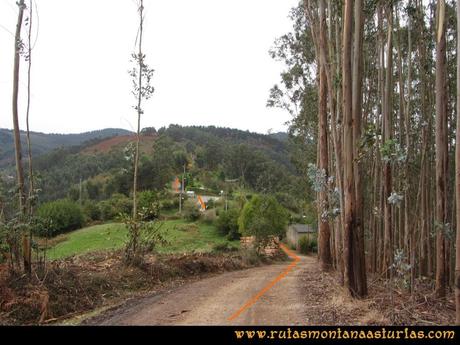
(181, 191)
(80, 192)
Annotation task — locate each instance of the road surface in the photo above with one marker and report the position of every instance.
(212, 301)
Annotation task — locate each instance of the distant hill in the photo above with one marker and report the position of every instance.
(274, 145)
(43, 143)
(281, 136)
(101, 159)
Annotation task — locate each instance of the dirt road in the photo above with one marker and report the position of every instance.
(214, 300)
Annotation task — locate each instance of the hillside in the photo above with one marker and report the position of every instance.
(260, 162)
(43, 143)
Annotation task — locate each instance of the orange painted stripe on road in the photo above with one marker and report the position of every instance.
(270, 285)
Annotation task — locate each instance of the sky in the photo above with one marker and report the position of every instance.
(210, 58)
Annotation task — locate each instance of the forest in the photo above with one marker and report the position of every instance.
(370, 165)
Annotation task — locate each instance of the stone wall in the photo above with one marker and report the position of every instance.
(271, 249)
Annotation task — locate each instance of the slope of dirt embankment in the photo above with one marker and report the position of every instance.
(81, 284)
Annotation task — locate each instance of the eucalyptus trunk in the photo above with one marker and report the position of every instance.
(441, 150)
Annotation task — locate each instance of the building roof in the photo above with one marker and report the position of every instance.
(302, 228)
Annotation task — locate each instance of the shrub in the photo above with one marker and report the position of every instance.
(60, 216)
(263, 217)
(307, 244)
(191, 211)
(227, 224)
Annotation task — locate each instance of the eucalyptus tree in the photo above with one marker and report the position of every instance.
(18, 49)
(141, 76)
(441, 149)
(457, 180)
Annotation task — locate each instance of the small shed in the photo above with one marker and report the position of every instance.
(296, 231)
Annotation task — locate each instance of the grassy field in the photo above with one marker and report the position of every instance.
(181, 237)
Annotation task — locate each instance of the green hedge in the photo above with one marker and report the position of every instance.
(60, 216)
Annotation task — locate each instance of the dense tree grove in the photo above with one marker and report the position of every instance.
(372, 89)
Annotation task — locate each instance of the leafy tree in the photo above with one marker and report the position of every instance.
(263, 217)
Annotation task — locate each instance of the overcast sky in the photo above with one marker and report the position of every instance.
(210, 58)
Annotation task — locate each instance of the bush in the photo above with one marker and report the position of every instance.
(60, 216)
(227, 224)
(191, 211)
(307, 244)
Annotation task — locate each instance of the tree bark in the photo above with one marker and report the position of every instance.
(457, 180)
(324, 229)
(387, 130)
(441, 148)
(357, 104)
(349, 187)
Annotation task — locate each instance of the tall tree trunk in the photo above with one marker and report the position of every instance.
(139, 108)
(410, 231)
(349, 187)
(16, 131)
(17, 134)
(337, 139)
(135, 226)
(441, 148)
(387, 130)
(324, 229)
(357, 104)
(30, 199)
(457, 179)
(425, 258)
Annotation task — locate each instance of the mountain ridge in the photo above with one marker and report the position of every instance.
(46, 142)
